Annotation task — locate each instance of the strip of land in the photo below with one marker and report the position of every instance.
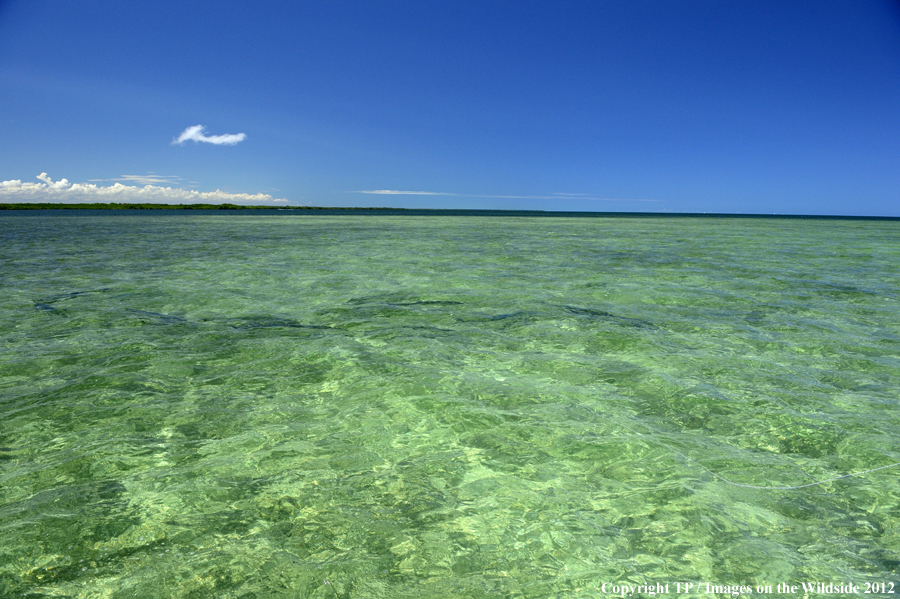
(132, 206)
(385, 211)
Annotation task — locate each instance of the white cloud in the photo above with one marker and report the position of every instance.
(144, 179)
(392, 192)
(61, 184)
(14, 191)
(195, 134)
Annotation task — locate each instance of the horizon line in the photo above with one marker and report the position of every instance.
(457, 211)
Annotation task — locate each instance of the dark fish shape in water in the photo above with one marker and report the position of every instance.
(157, 317)
(624, 320)
(426, 303)
(508, 316)
(378, 299)
(268, 322)
(67, 296)
(400, 299)
(512, 317)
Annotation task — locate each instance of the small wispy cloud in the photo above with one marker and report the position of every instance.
(150, 179)
(394, 192)
(196, 134)
(556, 196)
(62, 191)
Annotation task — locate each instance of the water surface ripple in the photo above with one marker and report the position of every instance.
(238, 405)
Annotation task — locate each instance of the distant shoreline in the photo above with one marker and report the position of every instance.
(385, 211)
(148, 206)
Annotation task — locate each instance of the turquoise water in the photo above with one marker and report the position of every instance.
(389, 407)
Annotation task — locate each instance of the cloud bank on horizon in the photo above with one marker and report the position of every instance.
(63, 192)
(196, 134)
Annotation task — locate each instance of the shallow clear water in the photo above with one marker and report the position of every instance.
(368, 406)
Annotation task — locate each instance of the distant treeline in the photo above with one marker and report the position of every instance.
(100, 206)
(384, 211)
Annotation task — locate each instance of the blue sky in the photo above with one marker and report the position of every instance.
(667, 106)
